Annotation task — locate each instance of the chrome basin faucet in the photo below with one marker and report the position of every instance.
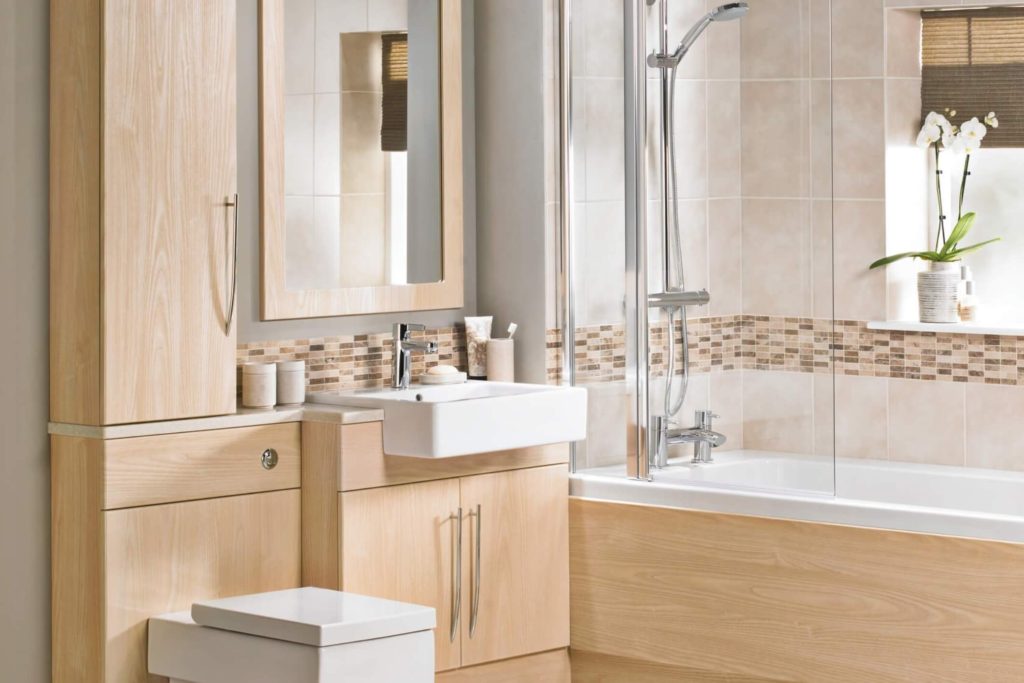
(701, 435)
(404, 346)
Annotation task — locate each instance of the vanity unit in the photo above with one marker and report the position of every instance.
(483, 539)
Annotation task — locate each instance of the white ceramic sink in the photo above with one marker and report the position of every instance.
(475, 417)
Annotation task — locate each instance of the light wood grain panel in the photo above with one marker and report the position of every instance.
(795, 601)
(523, 575)
(321, 449)
(163, 558)
(76, 544)
(547, 667)
(364, 465)
(75, 213)
(169, 157)
(226, 462)
(588, 667)
(280, 302)
(399, 543)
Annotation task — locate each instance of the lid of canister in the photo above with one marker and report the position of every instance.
(258, 368)
(314, 616)
(291, 366)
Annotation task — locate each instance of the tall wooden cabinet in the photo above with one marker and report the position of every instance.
(143, 183)
(483, 539)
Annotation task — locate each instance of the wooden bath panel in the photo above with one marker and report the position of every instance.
(730, 597)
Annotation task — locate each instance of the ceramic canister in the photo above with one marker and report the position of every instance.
(259, 385)
(291, 382)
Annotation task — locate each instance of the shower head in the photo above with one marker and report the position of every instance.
(727, 12)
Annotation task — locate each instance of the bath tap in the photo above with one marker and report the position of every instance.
(404, 346)
(701, 435)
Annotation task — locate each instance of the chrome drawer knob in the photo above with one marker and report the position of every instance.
(269, 459)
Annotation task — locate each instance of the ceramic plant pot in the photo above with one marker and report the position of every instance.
(937, 292)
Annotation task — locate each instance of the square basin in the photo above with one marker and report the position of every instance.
(476, 417)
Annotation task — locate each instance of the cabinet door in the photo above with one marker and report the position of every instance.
(400, 543)
(169, 169)
(162, 558)
(520, 587)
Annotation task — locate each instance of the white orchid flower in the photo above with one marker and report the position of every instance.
(974, 130)
(936, 119)
(956, 144)
(991, 121)
(929, 135)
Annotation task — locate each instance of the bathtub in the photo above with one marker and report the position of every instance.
(933, 499)
(752, 569)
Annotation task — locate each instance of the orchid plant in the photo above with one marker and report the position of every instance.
(939, 133)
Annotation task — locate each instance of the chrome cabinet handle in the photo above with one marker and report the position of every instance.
(457, 578)
(475, 603)
(269, 459)
(234, 268)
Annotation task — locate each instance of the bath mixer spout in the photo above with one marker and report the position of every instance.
(701, 435)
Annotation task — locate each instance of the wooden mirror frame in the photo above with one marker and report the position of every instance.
(280, 303)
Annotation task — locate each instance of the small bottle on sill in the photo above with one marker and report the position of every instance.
(969, 304)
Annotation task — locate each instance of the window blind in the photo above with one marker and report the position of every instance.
(972, 61)
(395, 103)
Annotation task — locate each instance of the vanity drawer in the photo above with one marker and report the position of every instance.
(151, 470)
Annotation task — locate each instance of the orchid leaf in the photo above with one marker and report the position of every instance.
(963, 226)
(957, 253)
(899, 257)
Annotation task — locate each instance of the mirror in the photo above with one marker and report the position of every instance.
(361, 164)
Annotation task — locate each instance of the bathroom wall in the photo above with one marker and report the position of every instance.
(24, 467)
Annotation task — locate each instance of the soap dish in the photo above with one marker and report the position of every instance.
(450, 378)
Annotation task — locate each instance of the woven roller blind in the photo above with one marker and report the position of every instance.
(973, 62)
(395, 103)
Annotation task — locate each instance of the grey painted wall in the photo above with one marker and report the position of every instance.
(24, 454)
(250, 327)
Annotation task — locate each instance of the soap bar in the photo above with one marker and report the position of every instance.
(442, 370)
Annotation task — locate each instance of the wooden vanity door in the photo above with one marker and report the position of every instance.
(523, 575)
(169, 169)
(399, 543)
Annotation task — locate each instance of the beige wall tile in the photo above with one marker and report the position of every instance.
(580, 137)
(774, 39)
(821, 38)
(857, 38)
(723, 142)
(822, 259)
(821, 138)
(922, 3)
(299, 126)
(603, 289)
(334, 17)
(606, 426)
(859, 138)
(605, 148)
(994, 435)
(903, 112)
(859, 239)
(861, 417)
(299, 47)
(775, 136)
(691, 135)
(727, 401)
(723, 51)
(328, 150)
(361, 69)
(824, 415)
(363, 239)
(926, 422)
(776, 257)
(602, 23)
(777, 411)
(693, 225)
(362, 162)
(903, 43)
(725, 255)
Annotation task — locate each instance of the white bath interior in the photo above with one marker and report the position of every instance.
(935, 499)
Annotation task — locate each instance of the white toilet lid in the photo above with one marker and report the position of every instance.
(314, 616)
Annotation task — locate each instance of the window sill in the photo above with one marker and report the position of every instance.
(1006, 329)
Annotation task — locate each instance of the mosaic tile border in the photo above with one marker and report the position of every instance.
(748, 342)
(361, 361)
